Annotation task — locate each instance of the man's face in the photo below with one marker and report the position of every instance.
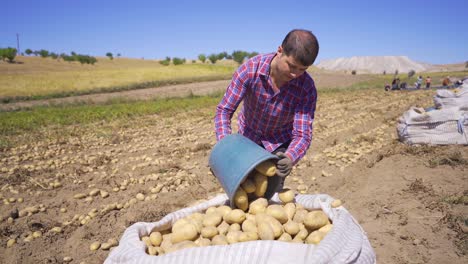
(288, 67)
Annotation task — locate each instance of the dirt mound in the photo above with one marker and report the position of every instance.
(374, 64)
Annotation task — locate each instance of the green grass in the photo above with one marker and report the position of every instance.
(15, 123)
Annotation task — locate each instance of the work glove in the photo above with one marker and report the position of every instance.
(284, 165)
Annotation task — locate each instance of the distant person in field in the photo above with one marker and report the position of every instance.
(419, 82)
(279, 99)
(428, 82)
(396, 84)
(446, 82)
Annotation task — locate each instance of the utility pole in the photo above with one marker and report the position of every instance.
(17, 43)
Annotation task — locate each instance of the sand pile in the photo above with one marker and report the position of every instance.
(374, 64)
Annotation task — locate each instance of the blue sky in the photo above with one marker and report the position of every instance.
(426, 31)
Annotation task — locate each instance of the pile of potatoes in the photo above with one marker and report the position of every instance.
(253, 219)
(222, 225)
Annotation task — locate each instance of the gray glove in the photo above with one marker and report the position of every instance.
(284, 165)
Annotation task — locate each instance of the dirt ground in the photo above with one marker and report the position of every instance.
(410, 200)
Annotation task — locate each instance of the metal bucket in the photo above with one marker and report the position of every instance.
(233, 158)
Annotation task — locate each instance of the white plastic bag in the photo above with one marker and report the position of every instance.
(345, 243)
(447, 126)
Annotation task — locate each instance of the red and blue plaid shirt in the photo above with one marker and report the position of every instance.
(267, 118)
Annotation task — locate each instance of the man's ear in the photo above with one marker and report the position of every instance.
(280, 50)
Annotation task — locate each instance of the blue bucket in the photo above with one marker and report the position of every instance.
(233, 158)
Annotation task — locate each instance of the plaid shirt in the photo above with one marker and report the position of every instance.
(267, 118)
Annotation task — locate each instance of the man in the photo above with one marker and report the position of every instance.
(279, 99)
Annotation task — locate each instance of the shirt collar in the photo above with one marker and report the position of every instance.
(265, 66)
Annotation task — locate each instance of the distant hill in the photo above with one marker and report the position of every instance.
(374, 64)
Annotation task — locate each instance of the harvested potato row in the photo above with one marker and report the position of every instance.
(222, 225)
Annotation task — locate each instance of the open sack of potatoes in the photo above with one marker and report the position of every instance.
(212, 232)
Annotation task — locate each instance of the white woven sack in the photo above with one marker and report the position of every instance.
(345, 243)
(447, 98)
(439, 127)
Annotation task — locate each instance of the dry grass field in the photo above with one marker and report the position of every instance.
(64, 187)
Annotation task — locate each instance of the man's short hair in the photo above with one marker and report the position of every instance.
(302, 45)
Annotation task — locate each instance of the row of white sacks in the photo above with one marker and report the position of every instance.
(345, 243)
(446, 125)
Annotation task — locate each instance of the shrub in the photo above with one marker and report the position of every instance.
(8, 53)
(222, 55)
(166, 62)
(202, 58)
(178, 61)
(353, 72)
(44, 53)
(239, 56)
(28, 51)
(213, 58)
(411, 73)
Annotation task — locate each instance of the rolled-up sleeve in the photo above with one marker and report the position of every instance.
(303, 124)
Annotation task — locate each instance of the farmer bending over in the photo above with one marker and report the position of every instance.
(279, 99)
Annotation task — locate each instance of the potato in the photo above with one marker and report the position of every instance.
(233, 236)
(219, 240)
(152, 251)
(224, 210)
(155, 238)
(223, 228)
(234, 227)
(248, 236)
(166, 242)
(261, 184)
(249, 226)
(314, 237)
(275, 224)
(265, 232)
(248, 185)
(285, 237)
(146, 240)
(291, 228)
(185, 232)
(209, 232)
(211, 210)
(203, 242)
(256, 208)
(325, 229)
(300, 215)
(11, 242)
(240, 199)
(286, 195)
(95, 246)
(213, 219)
(290, 209)
(179, 223)
(302, 234)
(278, 212)
(267, 168)
(315, 220)
(235, 216)
(197, 217)
(336, 203)
(262, 201)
